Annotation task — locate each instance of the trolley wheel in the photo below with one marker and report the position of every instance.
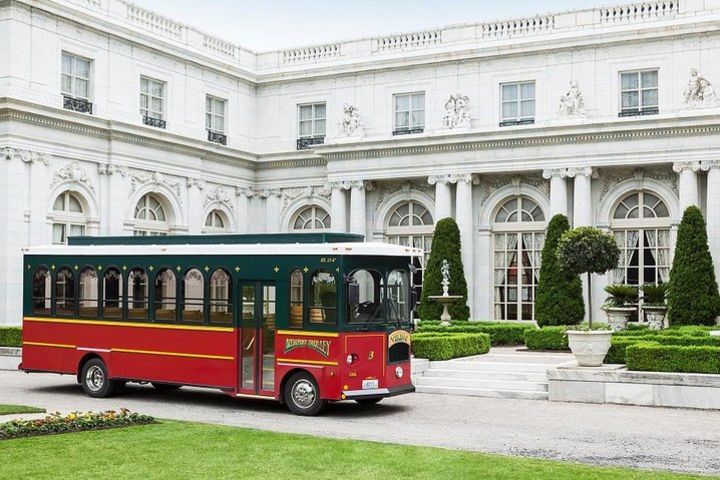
(368, 401)
(303, 395)
(165, 387)
(95, 382)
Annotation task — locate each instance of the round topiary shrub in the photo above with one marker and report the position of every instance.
(559, 299)
(693, 297)
(445, 246)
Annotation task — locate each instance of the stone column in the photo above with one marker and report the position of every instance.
(712, 167)
(443, 196)
(272, 209)
(687, 183)
(358, 218)
(464, 218)
(582, 196)
(195, 193)
(338, 207)
(241, 206)
(558, 190)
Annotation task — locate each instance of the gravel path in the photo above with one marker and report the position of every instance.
(657, 438)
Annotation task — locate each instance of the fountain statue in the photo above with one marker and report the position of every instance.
(445, 299)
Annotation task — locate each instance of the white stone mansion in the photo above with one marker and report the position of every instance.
(117, 120)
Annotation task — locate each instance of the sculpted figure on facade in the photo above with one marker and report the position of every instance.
(572, 103)
(699, 92)
(456, 112)
(351, 125)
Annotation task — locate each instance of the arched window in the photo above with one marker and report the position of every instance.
(41, 292)
(311, 218)
(64, 293)
(215, 222)
(112, 294)
(369, 307)
(411, 224)
(518, 238)
(296, 298)
(221, 305)
(150, 218)
(641, 226)
(193, 297)
(88, 293)
(68, 217)
(165, 296)
(323, 298)
(138, 294)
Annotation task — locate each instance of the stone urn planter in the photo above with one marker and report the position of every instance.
(589, 348)
(618, 317)
(656, 316)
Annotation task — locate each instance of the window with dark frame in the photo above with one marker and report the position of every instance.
(639, 93)
(517, 101)
(41, 296)
(152, 102)
(409, 109)
(88, 293)
(221, 303)
(112, 294)
(193, 306)
(164, 306)
(215, 119)
(75, 83)
(323, 298)
(311, 125)
(297, 302)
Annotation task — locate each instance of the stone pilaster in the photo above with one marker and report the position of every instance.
(687, 183)
(443, 195)
(338, 207)
(464, 218)
(712, 167)
(582, 196)
(558, 190)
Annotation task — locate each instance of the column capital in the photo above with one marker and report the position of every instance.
(580, 171)
(706, 165)
(679, 167)
(443, 179)
(466, 178)
(360, 185)
(271, 192)
(549, 173)
(245, 191)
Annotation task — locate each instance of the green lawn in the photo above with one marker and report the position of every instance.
(176, 450)
(12, 409)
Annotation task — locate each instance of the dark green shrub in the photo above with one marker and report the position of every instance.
(501, 333)
(588, 250)
(619, 343)
(653, 357)
(547, 338)
(10, 337)
(445, 246)
(693, 297)
(559, 299)
(446, 346)
(618, 346)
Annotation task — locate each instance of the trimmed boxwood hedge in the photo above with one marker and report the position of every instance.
(547, 338)
(445, 346)
(619, 344)
(653, 357)
(501, 333)
(10, 337)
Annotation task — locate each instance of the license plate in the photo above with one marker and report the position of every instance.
(370, 384)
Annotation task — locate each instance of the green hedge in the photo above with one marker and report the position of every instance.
(445, 346)
(547, 338)
(501, 333)
(10, 337)
(694, 331)
(619, 344)
(653, 357)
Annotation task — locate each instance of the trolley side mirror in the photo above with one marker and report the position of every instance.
(353, 293)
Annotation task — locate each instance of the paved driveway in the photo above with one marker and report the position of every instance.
(672, 439)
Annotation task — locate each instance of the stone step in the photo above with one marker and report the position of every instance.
(487, 375)
(516, 358)
(493, 366)
(483, 392)
(481, 383)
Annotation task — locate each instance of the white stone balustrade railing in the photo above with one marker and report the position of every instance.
(154, 22)
(510, 28)
(311, 54)
(218, 46)
(404, 41)
(642, 11)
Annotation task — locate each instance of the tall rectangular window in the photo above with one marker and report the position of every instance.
(152, 102)
(409, 113)
(311, 125)
(215, 115)
(639, 93)
(75, 83)
(518, 103)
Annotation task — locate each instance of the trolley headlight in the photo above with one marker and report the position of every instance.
(399, 372)
(351, 358)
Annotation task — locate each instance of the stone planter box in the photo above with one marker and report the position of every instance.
(10, 358)
(615, 384)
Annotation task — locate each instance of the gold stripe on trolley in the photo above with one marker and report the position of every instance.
(172, 354)
(128, 324)
(308, 362)
(54, 345)
(307, 334)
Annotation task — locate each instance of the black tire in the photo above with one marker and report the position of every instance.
(368, 401)
(95, 381)
(165, 387)
(302, 395)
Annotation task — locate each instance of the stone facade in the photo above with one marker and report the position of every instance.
(607, 115)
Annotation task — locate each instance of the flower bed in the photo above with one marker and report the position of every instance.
(501, 333)
(73, 422)
(447, 345)
(10, 337)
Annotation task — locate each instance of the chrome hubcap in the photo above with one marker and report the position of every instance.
(94, 378)
(303, 393)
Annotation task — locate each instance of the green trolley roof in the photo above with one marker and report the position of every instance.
(220, 239)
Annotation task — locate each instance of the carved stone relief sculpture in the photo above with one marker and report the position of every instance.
(699, 92)
(572, 103)
(456, 112)
(351, 124)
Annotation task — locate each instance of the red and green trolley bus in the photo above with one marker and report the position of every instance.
(303, 319)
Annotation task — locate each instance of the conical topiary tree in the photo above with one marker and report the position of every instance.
(445, 246)
(693, 297)
(559, 298)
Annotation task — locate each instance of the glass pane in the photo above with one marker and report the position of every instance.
(81, 88)
(157, 105)
(402, 103)
(629, 99)
(418, 102)
(402, 120)
(158, 89)
(650, 79)
(58, 231)
(649, 98)
(66, 86)
(527, 108)
(144, 85)
(77, 230)
(306, 128)
(527, 91)
(510, 110)
(67, 61)
(418, 118)
(74, 204)
(219, 124)
(268, 338)
(248, 337)
(319, 127)
(193, 295)
(59, 204)
(320, 110)
(305, 112)
(112, 294)
(82, 68)
(629, 81)
(631, 200)
(509, 92)
(661, 210)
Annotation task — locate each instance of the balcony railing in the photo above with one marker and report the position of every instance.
(77, 104)
(522, 121)
(307, 142)
(636, 112)
(217, 137)
(408, 131)
(154, 122)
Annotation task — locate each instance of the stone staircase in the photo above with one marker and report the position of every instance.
(504, 372)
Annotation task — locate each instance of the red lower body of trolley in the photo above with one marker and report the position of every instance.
(239, 361)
